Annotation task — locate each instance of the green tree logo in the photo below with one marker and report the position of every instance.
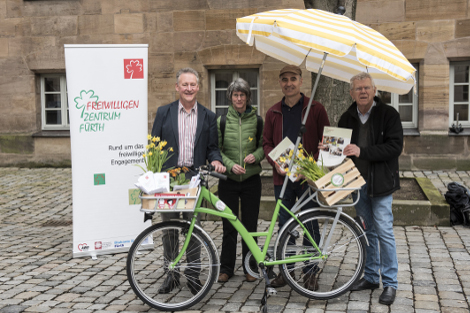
(85, 97)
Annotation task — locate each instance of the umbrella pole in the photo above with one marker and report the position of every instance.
(302, 126)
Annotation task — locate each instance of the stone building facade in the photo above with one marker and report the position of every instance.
(433, 34)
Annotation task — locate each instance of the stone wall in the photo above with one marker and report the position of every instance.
(201, 34)
(432, 33)
(181, 33)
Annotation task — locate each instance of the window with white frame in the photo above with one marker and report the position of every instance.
(406, 105)
(459, 93)
(221, 79)
(54, 105)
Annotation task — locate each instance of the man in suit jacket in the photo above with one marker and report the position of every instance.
(191, 130)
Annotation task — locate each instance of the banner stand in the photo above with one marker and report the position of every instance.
(107, 98)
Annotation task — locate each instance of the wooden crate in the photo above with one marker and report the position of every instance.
(352, 179)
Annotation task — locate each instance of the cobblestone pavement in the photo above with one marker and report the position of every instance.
(38, 273)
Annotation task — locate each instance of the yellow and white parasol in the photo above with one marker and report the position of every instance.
(295, 35)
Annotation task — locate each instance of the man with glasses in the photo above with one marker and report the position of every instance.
(376, 144)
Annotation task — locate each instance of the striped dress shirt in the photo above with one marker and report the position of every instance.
(187, 124)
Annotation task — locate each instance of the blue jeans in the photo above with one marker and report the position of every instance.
(382, 251)
(293, 192)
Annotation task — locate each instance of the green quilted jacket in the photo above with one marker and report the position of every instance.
(238, 128)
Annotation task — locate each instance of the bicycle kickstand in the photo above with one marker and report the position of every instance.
(268, 290)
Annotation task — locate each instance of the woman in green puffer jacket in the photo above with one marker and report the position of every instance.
(242, 152)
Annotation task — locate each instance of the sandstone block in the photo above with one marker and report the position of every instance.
(151, 21)
(95, 24)
(23, 28)
(185, 59)
(188, 41)
(164, 22)
(3, 10)
(458, 48)
(54, 26)
(13, 69)
(128, 38)
(124, 6)
(162, 85)
(412, 50)
(128, 23)
(436, 119)
(18, 123)
(48, 8)
(14, 8)
(435, 144)
(22, 104)
(397, 31)
(4, 42)
(50, 58)
(161, 63)
(17, 144)
(226, 19)
(8, 27)
(188, 20)
(372, 12)
(52, 146)
(179, 5)
(217, 38)
(462, 28)
(89, 7)
(161, 42)
(422, 10)
(250, 55)
(435, 31)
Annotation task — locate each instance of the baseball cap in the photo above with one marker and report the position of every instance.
(291, 69)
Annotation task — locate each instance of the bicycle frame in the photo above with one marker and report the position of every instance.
(259, 255)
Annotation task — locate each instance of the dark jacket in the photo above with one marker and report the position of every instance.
(206, 145)
(273, 134)
(386, 144)
(238, 128)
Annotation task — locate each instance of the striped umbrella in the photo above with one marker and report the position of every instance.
(294, 35)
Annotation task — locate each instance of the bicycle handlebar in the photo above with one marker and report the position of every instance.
(210, 170)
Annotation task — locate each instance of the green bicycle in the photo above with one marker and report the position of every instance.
(336, 256)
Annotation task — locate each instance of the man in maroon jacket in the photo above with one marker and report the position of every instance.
(283, 120)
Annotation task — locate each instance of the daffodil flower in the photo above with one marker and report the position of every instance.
(149, 137)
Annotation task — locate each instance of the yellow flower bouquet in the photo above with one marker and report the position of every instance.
(307, 166)
(155, 155)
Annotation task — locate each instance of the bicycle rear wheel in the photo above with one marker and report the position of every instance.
(148, 266)
(343, 259)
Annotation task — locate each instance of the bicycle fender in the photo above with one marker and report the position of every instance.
(291, 220)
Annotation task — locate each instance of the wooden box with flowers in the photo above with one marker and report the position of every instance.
(164, 191)
(344, 176)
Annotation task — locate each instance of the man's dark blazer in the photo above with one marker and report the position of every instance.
(206, 145)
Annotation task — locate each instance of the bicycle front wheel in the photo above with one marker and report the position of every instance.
(151, 276)
(328, 274)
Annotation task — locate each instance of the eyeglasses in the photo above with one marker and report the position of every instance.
(359, 89)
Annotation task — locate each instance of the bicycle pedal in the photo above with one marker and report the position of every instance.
(271, 291)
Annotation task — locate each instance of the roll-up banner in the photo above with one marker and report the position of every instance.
(107, 98)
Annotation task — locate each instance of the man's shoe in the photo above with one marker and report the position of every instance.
(223, 278)
(310, 282)
(170, 283)
(194, 285)
(279, 281)
(388, 296)
(364, 284)
(250, 278)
